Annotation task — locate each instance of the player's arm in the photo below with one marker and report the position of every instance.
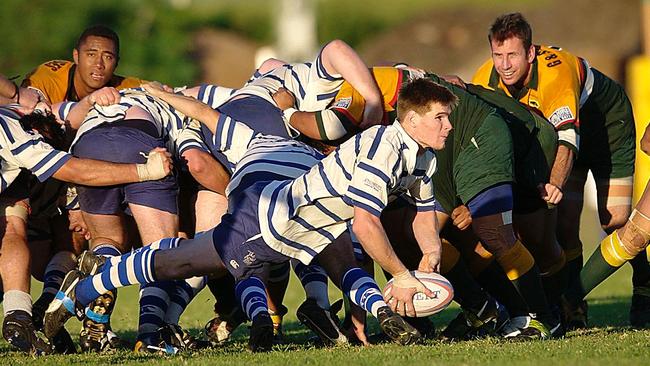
(186, 105)
(370, 233)
(74, 114)
(339, 58)
(425, 229)
(91, 172)
(11, 93)
(207, 170)
(645, 141)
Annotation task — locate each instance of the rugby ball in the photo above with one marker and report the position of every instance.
(424, 305)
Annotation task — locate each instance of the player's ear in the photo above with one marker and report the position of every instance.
(531, 54)
(75, 55)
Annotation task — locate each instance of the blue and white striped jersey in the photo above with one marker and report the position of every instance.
(300, 217)
(309, 82)
(23, 149)
(167, 120)
(257, 157)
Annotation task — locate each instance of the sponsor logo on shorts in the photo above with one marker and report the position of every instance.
(234, 264)
(343, 103)
(561, 115)
(249, 258)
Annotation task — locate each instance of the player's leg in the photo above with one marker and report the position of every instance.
(492, 222)
(17, 327)
(153, 224)
(340, 264)
(162, 260)
(616, 249)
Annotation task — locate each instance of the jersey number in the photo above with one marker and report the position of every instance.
(55, 65)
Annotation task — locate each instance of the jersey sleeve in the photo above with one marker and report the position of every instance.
(191, 137)
(30, 152)
(214, 95)
(562, 112)
(231, 134)
(375, 171)
(51, 79)
(422, 191)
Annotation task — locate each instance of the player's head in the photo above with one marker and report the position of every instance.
(46, 125)
(423, 109)
(96, 54)
(511, 42)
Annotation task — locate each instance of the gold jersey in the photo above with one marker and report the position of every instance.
(55, 79)
(559, 84)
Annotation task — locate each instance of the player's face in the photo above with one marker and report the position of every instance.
(96, 61)
(432, 128)
(512, 60)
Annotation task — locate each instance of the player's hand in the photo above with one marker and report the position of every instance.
(400, 297)
(156, 88)
(416, 72)
(550, 193)
(159, 164)
(284, 99)
(430, 262)
(104, 96)
(373, 114)
(454, 79)
(77, 224)
(30, 98)
(461, 217)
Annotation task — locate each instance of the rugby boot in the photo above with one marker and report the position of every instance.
(219, 328)
(154, 346)
(18, 330)
(261, 333)
(62, 342)
(64, 306)
(90, 263)
(424, 325)
(640, 311)
(278, 335)
(395, 327)
(533, 329)
(574, 317)
(175, 336)
(94, 335)
(321, 322)
(472, 325)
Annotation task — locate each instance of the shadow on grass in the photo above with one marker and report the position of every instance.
(611, 313)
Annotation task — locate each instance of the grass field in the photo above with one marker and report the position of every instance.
(610, 341)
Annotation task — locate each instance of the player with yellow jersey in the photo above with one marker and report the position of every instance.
(595, 125)
(96, 56)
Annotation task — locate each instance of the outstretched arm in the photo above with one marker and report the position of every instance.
(186, 105)
(91, 172)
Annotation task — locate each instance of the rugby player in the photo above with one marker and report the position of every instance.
(595, 125)
(356, 182)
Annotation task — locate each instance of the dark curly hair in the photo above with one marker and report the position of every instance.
(46, 125)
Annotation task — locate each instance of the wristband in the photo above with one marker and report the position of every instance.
(287, 113)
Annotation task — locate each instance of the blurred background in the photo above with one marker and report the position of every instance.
(186, 42)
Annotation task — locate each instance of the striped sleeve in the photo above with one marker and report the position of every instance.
(231, 134)
(214, 95)
(374, 173)
(422, 191)
(30, 152)
(191, 137)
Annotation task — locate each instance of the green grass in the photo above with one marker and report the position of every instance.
(610, 341)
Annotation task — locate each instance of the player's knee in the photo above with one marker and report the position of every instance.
(498, 238)
(636, 234)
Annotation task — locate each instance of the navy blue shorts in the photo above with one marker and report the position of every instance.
(122, 142)
(245, 257)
